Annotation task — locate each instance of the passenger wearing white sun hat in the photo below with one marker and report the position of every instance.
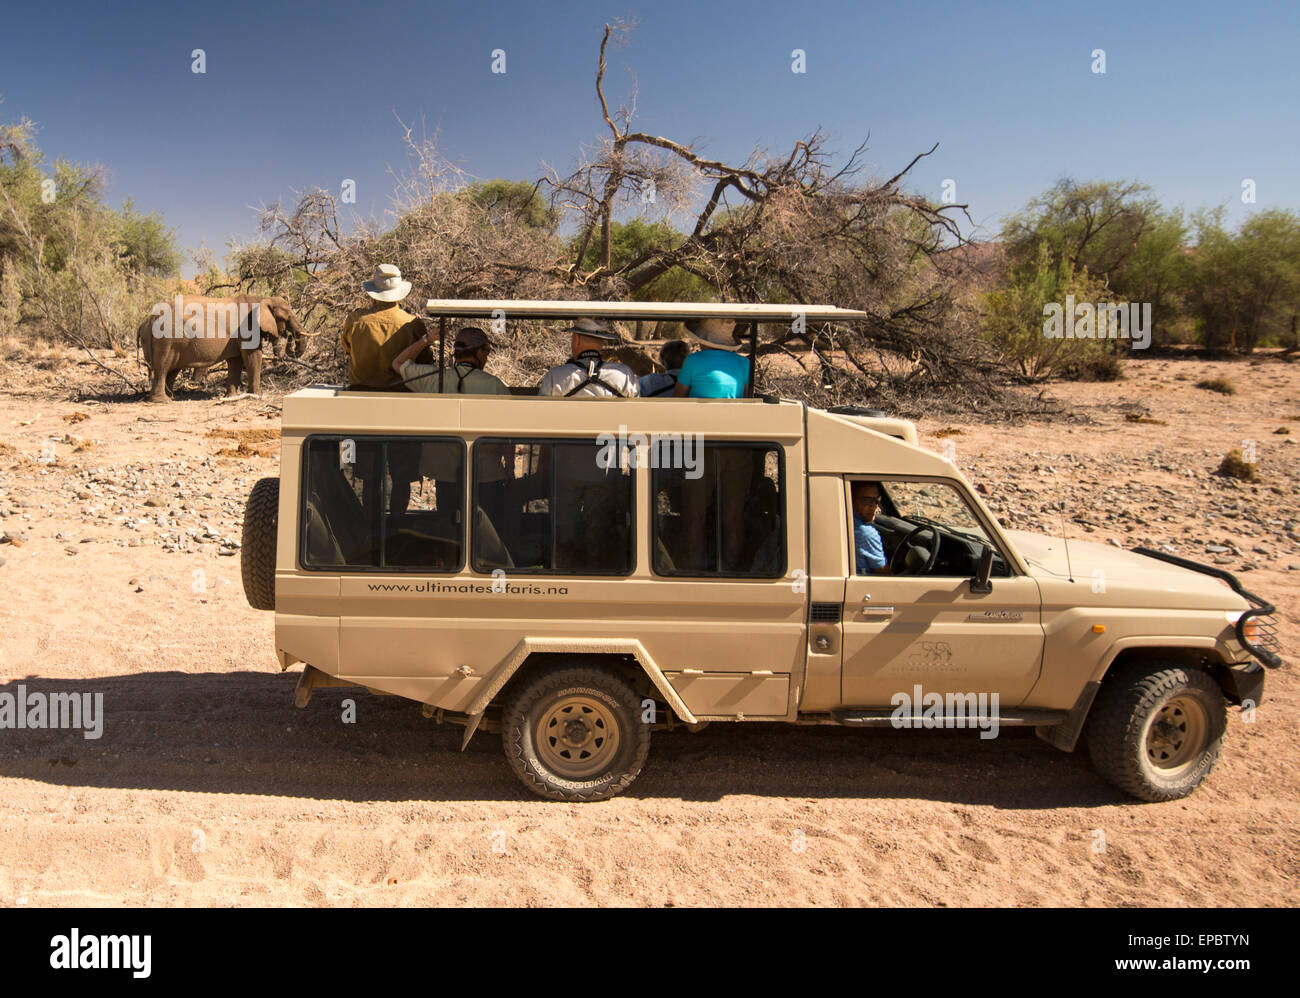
(374, 335)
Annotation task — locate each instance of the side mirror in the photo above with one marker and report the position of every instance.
(981, 583)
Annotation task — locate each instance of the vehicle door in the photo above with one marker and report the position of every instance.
(922, 622)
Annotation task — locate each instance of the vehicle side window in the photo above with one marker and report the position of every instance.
(722, 514)
(371, 503)
(561, 507)
(942, 534)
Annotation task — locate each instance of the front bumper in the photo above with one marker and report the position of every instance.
(1265, 650)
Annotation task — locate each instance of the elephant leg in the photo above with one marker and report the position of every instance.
(157, 390)
(234, 370)
(253, 362)
(171, 382)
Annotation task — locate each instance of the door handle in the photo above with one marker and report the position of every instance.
(877, 611)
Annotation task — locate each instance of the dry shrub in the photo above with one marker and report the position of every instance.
(1133, 417)
(261, 442)
(1233, 466)
(527, 358)
(1221, 385)
(1102, 367)
(251, 436)
(245, 450)
(947, 431)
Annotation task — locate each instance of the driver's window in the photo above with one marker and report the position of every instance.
(925, 528)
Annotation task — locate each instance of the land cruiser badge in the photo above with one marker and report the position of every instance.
(988, 615)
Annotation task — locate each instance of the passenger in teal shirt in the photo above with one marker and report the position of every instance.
(717, 371)
(714, 374)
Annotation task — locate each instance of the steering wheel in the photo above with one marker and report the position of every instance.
(907, 543)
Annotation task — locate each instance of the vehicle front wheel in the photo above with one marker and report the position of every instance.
(575, 734)
(1155, 732)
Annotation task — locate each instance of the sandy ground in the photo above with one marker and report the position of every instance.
(209, 788)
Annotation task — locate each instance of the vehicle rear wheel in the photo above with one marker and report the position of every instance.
(1155, 732)
(575, 734)
(257, 546)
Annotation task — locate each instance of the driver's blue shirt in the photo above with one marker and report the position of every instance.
(868, 547)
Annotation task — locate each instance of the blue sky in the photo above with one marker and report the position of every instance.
(1195, 98)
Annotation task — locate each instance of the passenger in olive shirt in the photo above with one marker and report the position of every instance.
(374, 336)
(465, 377)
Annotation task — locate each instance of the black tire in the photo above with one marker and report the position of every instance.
(1156, 729)
(599, 699)
(257, 548)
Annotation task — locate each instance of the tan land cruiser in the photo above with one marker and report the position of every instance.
(575, 572)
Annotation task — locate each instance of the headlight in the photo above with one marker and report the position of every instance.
(1249, 630)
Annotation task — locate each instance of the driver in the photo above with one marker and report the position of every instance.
(868, 548)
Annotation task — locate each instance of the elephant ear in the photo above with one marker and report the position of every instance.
(266, 316)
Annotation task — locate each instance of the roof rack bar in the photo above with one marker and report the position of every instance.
(442, 349)
(753, 359)
(632, 311)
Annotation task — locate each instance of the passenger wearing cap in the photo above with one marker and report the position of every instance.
(466, 375)
(586, 373)
(717, 371)
(373, 336)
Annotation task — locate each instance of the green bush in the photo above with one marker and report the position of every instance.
(1014, 318)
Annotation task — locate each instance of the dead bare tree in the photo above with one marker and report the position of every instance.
(799, 227)
(792, 228)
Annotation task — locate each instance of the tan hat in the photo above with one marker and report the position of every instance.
(387, 284)
(718, 334)
(595, 329)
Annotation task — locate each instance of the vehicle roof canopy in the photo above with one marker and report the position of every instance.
(633, 310)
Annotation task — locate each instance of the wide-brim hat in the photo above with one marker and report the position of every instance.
(716, 334)
(595, 329)
(387, 284)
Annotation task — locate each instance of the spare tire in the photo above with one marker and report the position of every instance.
(257, 550)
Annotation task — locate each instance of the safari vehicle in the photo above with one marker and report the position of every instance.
(575, 572)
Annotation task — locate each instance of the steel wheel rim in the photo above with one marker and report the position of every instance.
(577, 737)
(1175, 737)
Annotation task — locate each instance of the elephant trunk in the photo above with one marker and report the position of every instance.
(295, 343)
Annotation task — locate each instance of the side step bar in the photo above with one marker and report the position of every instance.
(885, 718)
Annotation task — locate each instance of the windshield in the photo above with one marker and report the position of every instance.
(937, 503)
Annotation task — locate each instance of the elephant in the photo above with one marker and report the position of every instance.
(193, 331)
